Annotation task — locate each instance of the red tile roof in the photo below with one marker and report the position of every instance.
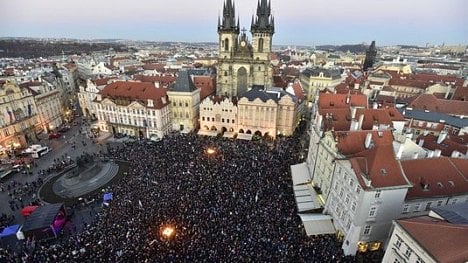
(447, 146)
(140, 91)
(379, 166)
(157, 66)
(452, 239)
(103, 81)
(352, 142)
(336, 119)
(163, 80)
(432, 177)
(298, 90)
(335, 101)
(378, 116)
(461, 93)
(206, 84)
(432, 103)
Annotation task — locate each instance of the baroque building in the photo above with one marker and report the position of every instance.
(243, 63)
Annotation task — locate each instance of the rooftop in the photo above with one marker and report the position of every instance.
(452, 239)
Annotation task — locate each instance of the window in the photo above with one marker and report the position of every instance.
(377, 193)
(398, 242)
(358, 189)
(405, 209)
(428, 206)
(408, 252)
(353, 206)
(367, 230)
(439, 203)
(417, 207)
(396, 260)
(419, 260)
(351, 182)
(347, 199)
(372, 211)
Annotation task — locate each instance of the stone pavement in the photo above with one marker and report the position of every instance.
(61, 148)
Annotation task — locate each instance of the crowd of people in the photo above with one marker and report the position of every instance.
(225, 200)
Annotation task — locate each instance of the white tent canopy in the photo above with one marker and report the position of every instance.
(300, 174)
(244, 136)
(317, 224)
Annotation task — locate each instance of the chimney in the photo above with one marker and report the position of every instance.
(354, 125)
(437, 153)
(449, 88)
(415, 155)
(368, 141)
(430, 154)
(442, 136)
(361, 120)
(375, 105)
(319, 121)
(348, 98)
(356, 85)
(400, 151)
(421, 142)
(156, 84)
(353, 112)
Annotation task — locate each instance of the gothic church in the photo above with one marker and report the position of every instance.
(241, 63)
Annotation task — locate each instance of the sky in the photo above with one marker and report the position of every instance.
(298, 22)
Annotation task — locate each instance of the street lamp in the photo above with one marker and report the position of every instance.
(210, 151)
(168, 232)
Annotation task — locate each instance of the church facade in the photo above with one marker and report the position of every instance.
(243, 63)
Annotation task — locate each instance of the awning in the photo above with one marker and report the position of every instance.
(244, 136)
(207, 133)
(300, 174)
(9, 231)
(306, 198)
(229, 134)
(317, 224)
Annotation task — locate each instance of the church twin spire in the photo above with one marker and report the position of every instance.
(229, 18)
(263, 21)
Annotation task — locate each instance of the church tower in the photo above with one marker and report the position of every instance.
(242, 64)
(228, 30)
(262, 28)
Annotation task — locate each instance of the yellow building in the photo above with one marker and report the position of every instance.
(317, 79)
(185, 99)
(19, 120)
(267, 113)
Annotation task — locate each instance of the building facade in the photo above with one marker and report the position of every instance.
(185, 103)
(133, 108)
(19, 120)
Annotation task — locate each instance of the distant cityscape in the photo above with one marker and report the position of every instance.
(239, 150)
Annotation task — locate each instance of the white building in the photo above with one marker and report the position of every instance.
(218, 114)
(87, 94)
(439, 237)
(133, 108)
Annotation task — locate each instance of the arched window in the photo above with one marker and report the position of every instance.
(225, 73)
(226, 44)
(260, 45)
